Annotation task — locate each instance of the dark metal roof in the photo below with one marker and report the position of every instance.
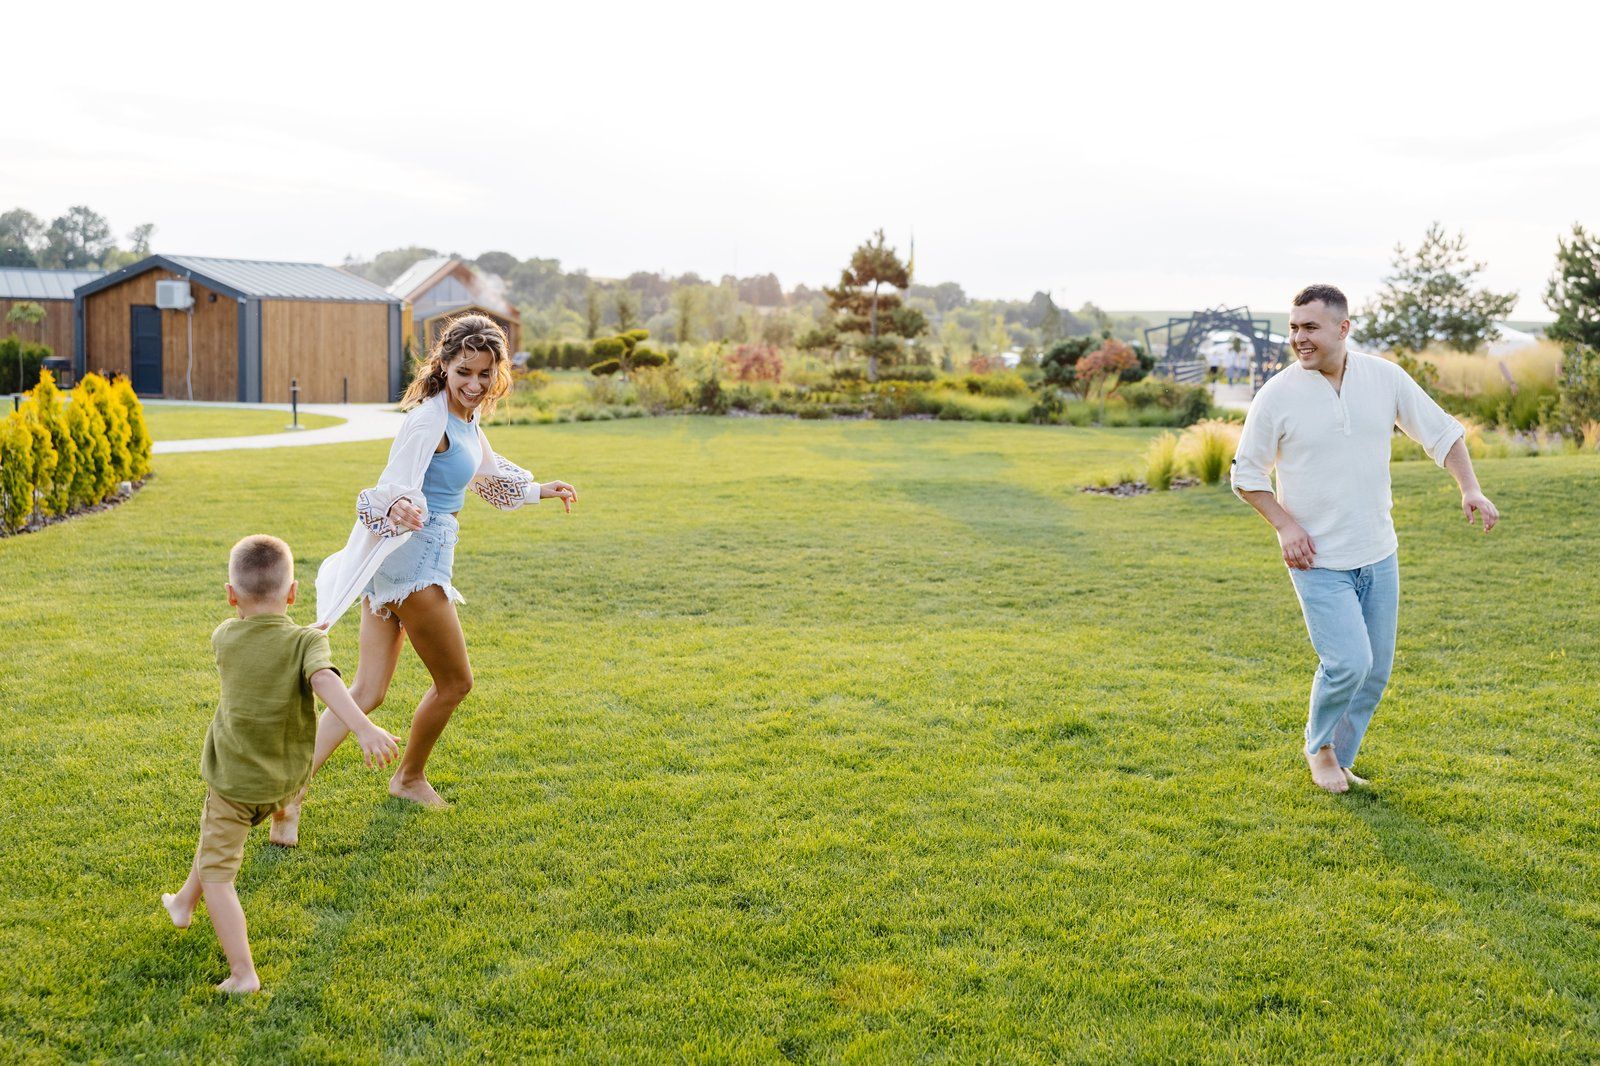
(256, 278)
(21, 283)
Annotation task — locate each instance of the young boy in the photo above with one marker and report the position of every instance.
(258, 750)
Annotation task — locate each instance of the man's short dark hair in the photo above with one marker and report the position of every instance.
(1330, 296)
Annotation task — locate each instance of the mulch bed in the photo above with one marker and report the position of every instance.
(1138, 488)
(121, 495)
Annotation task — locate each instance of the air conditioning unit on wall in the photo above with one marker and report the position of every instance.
(174, 295)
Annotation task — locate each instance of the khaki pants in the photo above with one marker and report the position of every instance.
(223, 828)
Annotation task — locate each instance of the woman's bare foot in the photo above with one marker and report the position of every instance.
(418, 791)
(240, 983)
(1350, 776)
(285, 830)
(180, 914)
(1326, 771)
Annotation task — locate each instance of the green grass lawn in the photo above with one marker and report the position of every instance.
(827, 741)
(188, 423)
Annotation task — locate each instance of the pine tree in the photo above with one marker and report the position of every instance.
(865, 311)
(1430, 297)
(1574, 295)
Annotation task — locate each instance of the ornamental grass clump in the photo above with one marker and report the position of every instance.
(1161, 462)
(1207, 447)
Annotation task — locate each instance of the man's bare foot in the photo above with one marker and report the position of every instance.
(285, 830)
(1351, 776)
(240, 983)
(1326, 771)
(418, 791)
(181, 916)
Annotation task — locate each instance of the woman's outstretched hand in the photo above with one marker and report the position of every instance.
(559, 490)
(406, 515)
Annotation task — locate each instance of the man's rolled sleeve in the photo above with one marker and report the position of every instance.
(1424, 421)
(1257, 455)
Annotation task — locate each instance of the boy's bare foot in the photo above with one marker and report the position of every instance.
(285, 830)
(240, 983)
(1326, 771)
(181, 916)
(1350, 776)
(418, 791)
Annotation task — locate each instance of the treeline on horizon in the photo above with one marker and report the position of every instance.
(558, 304)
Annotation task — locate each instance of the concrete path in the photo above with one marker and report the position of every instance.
(362, 421)
(1231, 397)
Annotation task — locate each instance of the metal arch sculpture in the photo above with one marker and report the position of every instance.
(1181, 358)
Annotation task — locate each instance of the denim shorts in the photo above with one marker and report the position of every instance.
(426, 558)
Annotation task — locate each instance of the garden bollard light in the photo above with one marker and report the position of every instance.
(294, 400)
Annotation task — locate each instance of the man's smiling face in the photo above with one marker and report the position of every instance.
(1316, 336)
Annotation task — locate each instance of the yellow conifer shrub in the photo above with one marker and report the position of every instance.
(139, 438)
(45, 406)
(118, 433)
(94, 479)
(16, 473)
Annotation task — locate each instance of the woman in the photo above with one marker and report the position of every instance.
(400, 555)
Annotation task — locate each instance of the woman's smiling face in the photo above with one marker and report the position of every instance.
(470, 377)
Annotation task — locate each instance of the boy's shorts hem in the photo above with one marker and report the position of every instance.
(224, 825)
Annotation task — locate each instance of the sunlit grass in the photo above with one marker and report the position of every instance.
(176, 422)
(827, 741)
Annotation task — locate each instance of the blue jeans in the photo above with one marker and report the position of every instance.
(1350, 615)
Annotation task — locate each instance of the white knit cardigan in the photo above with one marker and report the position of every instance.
(344, 574)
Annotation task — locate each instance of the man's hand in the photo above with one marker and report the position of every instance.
(559, 490)
(378, 747)
(1297, 547)
(406, 515)
(1476, 503)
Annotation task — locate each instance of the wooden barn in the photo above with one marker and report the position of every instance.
(51, 290)
(241, 329)
(438, 289)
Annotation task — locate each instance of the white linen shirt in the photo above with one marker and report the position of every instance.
(343, 575)
(1331, 452)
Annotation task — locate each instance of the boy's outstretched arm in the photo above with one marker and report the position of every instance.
(378, 747)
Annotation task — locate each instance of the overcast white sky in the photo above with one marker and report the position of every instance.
(1142, 155)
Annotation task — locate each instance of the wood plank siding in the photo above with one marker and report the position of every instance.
(321, 343)
(55, 329)
(108, 340)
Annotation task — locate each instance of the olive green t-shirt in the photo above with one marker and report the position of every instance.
(259, 746)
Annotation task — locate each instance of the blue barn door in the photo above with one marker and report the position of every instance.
(146, 366)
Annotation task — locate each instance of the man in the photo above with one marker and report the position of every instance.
(1325, 423)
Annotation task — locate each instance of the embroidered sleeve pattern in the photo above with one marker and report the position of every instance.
(508, 488)
(374, 516)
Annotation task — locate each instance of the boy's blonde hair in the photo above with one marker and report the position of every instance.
(260, 566)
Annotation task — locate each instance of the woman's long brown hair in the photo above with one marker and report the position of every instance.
(469, 333)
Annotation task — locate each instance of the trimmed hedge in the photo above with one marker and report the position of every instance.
(58, 457)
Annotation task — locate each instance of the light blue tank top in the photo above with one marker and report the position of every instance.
(444, 486)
